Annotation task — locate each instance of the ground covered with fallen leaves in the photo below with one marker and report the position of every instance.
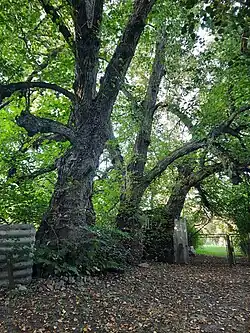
(207, 296)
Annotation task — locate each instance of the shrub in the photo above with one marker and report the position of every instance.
(100, 250)
(158, 237)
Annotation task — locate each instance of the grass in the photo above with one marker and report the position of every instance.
(214, 250)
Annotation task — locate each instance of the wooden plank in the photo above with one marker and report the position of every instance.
(10, 271)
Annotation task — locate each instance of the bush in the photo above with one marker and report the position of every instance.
(100, 250)
(158, 237)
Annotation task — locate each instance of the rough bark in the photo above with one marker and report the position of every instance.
(70, 203)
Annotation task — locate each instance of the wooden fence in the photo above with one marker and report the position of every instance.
(16, 244)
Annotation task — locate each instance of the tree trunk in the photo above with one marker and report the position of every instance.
(70, 203)
(128, 220)
(175, 203)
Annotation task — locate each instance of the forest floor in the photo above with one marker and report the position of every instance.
(207, 296)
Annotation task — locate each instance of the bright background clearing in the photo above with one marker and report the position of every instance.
(214, 250)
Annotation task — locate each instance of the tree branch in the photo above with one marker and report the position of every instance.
(205, 172)
(87, 21)
(50, 137)
(118, 65)
(36, 173)
(130, 97)
(191, 146)
(9, 89)
(143, 137)
(114, 150)
(203, 196)
(56, 18)
(176, 111)
(34, 125)
(39, 172)
(224, 127)
(3, 105)
(161, 166)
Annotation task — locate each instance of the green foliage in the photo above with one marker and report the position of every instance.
(242, 244)
(99, 251)
(230, 201)
(106, 198)
(158, 237)
(194, 238)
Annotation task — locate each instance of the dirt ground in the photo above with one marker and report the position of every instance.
(207, 296)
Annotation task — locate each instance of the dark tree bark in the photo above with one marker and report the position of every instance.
(159, 244)
(70, 208)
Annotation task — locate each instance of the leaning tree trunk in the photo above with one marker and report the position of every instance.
(159, 239)
(128, 218)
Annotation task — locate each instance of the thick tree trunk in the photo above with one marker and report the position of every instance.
(70, 204)
(64, 232)
(175, 203)
(128, 215)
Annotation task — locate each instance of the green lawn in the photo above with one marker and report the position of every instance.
(214, 250)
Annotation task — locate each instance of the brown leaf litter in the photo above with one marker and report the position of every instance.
(204, 297)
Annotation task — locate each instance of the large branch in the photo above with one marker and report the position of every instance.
(206, 171)
(3, 105)
(56, 18)
(157, 73)
(9, 89)
(174, 109)
(143, 137)
(164, 163)
(224, 127)
(191, 146)
(36, 173)
(34, 125)
(196, 180)
(125, 50)
(87, 20)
